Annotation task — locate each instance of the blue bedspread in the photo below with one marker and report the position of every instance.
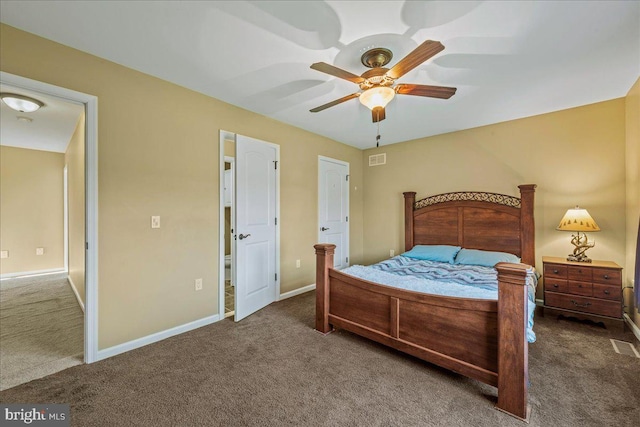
(455, 280)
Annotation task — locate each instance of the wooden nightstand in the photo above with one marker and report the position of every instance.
(583, 290)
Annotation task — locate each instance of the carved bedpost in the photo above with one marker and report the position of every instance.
(324, 261)
(513, 348)
(527, 224)
(409, 200)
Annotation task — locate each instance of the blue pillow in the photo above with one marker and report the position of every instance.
(440, 253)
(485, 258)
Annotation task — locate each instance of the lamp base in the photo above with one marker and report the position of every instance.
(578, 258)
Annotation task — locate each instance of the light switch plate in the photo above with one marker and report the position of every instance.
(4, 254)
(39, 251)
(155, 222)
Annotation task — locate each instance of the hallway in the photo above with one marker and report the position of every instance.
(41, 328)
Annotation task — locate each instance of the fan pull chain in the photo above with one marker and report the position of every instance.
(378, 123)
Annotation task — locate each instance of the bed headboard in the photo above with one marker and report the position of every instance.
(473, 220)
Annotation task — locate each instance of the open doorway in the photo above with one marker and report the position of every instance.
(42, 224)
(80, 262)
(229, 225)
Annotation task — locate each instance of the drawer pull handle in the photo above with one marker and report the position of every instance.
(579, 286)
(555, 271)
(606, 292)
(586, 304)
(606, 276)
(555, 285)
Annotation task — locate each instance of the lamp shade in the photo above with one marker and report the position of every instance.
(378, 96)
(577, 219)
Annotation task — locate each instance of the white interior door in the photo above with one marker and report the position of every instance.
(333, 207)
(255, 232)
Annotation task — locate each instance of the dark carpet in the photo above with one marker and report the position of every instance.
(273, 369)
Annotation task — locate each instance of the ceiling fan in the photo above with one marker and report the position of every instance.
(377, 83)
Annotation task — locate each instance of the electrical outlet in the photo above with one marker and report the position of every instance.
(392, 252)
(39, 251)
(297, 263)
(155, 222)
(4, 254)
(198, 284)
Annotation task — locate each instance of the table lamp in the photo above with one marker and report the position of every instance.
(578, 220)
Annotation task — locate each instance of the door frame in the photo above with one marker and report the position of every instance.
(226, 135)
(90, 103)
(340, 162)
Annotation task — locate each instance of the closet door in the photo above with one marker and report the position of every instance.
(255, 233)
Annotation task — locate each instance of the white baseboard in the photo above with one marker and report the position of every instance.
(158, 336)
(634, 328)
(298, 291)
(539, 302)
(75, 291)
(32, 273)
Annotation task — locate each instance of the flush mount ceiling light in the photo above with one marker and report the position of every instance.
(21, 103)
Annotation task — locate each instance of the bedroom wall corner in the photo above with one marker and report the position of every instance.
(158, 155)
(575, 156)
(632, 156)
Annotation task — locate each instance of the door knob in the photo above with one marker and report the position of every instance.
(324, 228)
(243, 236)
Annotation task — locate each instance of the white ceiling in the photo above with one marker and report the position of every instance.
(508, 59)
(50, 129)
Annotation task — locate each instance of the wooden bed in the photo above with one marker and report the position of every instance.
(481, 339)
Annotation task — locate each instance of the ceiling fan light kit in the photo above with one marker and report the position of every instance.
(377, 83)
(378, 96)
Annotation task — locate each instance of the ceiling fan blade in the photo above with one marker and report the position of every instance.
(378, 114)
(425, 90)
(337, 72)
(336, 102)
(416, 57)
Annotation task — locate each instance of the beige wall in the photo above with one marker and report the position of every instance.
(74, 159)
(31, 209)
(632, 102)
(158, 155)
(575, 156)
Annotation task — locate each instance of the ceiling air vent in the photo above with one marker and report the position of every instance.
(378, 159)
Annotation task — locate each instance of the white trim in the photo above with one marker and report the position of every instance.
(153, 338)
(75, 291)
(279, 168)
(20, 274)
(539, 302)
(223, 136)
(65, 198)
(91, 198)
(634, 328)
(298, 291)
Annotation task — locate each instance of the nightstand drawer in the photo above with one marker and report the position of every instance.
(605, 275)
(579, 288)
(568, 287)
(555, 285)
(555, 270)
(584, 304)
(607, 292)
(583, 274)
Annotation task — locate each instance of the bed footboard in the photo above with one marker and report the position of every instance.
(481, 339)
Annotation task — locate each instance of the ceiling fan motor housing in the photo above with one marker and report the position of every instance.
(376, 57)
